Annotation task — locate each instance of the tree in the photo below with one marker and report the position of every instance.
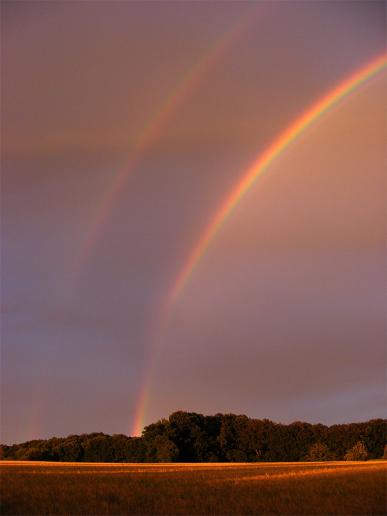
(385, 452)
(32, 453)
(165, 450)
(98, 449)
(319, 452)
(357, 452)
(233, 438)
(192, 437)
(4, 449)
(374, 437)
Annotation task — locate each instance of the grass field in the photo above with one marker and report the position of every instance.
(344, 488)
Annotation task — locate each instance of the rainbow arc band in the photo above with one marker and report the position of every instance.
(189, 82)
(259, 166)
(275, 149)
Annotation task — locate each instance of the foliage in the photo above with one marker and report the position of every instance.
(192, 437)
(319, 452)
(357, 452)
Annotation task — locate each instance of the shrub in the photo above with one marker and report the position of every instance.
(319, 452)
(357, 452)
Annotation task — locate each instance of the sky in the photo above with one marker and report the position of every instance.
(125, 126)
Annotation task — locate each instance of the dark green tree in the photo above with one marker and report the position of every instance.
(319, 452)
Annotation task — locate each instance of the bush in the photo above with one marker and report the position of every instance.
(319, 452)
(357, 452)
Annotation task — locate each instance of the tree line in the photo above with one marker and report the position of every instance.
(192, 437)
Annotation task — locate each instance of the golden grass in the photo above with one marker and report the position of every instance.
(343, 488)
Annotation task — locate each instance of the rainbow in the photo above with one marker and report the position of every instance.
(258, 167)
(275, 149)
(153, 129)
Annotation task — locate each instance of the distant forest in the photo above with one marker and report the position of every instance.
(191, 437)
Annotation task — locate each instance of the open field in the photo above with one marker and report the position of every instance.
(344, 488)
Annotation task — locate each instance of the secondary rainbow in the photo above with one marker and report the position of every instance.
(258, 167)
(153, 129)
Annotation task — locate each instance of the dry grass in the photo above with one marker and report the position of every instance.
(339, 488)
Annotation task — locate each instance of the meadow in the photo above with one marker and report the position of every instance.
(345, 488)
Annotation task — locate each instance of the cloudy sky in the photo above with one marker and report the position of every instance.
(125, 126)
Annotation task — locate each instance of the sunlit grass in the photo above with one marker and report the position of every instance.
(231, 488)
